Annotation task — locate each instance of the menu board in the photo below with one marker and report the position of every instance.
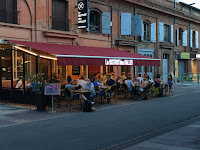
(75, 70)
(52, 89)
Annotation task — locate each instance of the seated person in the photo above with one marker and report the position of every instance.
(169, 83)
(169, 80)
(82, 82)
(96, 82)
(120, 80)
(69, 79)
(19, 84)
(71, 85)
(145, 83)
(53, 80)
(90, 87)
(139, 78)
(129, 83)
(157, 81)
(110, 81)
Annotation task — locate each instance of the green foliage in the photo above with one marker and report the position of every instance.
(37, 78)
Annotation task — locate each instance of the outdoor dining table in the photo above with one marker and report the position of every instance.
(104, 87)
(81, 91)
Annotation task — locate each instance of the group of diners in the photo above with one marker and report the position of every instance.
(108, 80)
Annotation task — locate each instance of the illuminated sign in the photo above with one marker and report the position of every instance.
(82, 14)
(185, 55)
(118, 62)
(197, 55)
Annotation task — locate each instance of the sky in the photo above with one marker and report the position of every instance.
(192, 1)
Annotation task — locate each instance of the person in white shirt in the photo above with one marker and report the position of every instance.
(139, 78)
(129, 83)
(82, 82)
(19, 84)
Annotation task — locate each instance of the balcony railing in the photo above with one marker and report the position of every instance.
(59, 23)
(8, 16)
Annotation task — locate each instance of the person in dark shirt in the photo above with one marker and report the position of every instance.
(53, 80)
(110, 81)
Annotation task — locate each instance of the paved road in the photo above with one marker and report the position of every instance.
(185, 138)
(103, 128)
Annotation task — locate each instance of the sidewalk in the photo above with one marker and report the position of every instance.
(9, 109)
(15, 113)
(185, 138)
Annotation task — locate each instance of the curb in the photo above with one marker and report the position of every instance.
(147, 136)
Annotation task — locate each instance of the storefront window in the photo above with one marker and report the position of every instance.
(44, 67)
(6, 65)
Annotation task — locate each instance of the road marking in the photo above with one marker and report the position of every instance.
(121, 105)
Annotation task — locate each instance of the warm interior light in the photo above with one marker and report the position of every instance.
(35, 54)
(25, 50)
(47, 57)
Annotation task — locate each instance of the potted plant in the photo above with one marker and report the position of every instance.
(38, 81)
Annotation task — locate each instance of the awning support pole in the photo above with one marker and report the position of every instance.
(11, 68)
(51, 69)
(0, 72)
(24, 72)
(36, 64)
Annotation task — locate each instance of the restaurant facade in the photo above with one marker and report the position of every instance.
(150, 28)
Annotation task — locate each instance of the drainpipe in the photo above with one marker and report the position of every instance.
(135, 68)
(35, 22)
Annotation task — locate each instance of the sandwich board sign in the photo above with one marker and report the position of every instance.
(52, 89)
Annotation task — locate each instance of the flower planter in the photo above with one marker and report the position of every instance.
(40, 101)
(35, 87)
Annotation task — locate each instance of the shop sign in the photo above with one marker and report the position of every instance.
(185, 55)
(176, 68)
(82, 14)
(197, 55)
(52, 89)
(118, 62)
(75, 70)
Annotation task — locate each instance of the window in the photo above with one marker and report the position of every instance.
(95, 21)
(166, 33)
(8, 11)
(193, 39)
(60, 19)
(146, 31)
(180, 36)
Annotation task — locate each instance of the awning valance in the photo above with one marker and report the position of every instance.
(83, 55)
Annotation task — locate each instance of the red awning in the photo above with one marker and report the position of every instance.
(83, 55)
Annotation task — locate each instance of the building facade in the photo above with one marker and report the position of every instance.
(155, 28)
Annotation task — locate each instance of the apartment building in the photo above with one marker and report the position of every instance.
(153, 28)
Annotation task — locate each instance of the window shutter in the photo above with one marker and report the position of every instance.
(88, 21)
(137, 25)
(106, 23)
(196, 39)
(153, 32)
(185, 38)
(191, 37)
(125, 23)
(177, 37)
(142, 35)
(161, 32)
(172, 34)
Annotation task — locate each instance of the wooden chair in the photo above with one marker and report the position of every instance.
(124, 89)
(69, 97)
(98, 97)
